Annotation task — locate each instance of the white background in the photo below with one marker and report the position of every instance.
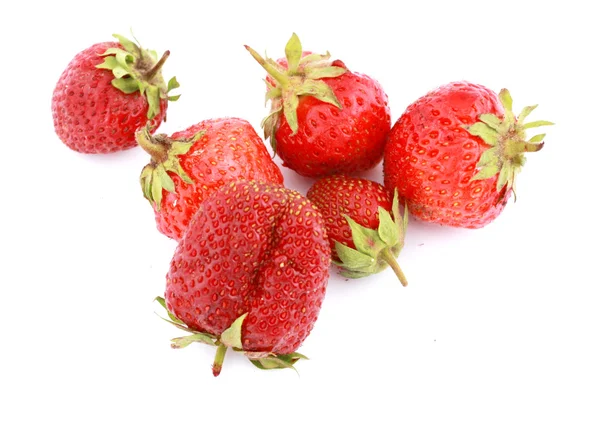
(497, 335)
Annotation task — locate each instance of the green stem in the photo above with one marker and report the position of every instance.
(158, 151)
(271, 70)
(387, 256)
(152, 72)
(219, 358)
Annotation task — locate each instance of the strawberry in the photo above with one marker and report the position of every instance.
(250, 273)
(187, 167)
(455, 152)
(364, 225)
(324, 118)
(106, 93)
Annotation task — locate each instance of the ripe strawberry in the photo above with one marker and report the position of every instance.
(96, 106)
(455, 152)
(363, 236)
(194, 162)
(250, 273)
(324, 118)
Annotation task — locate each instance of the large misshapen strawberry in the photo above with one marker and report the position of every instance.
(364, 226)
(188, 166)
(454, 154)
(324, 119)
(106, 93)
(250, 274)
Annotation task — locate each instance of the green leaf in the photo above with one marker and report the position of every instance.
(153, 96)
(525, 112)
(157, 190)
(127, 44)
(173, 84)
(174, 98)
(487, 172)
(351, 258)
(488, 157)
(293, 52)
(325, 72)
(277, 362)
(165, 180)
(109, 63)
(126, 85)
(537, 138)
(180, 147)
(506, 100)
(315, 58)
(503, 177)
(491, 120)
(290, 106)
(388, 230)
(489, 135)
(396, 209)
(319, 90)
(162, 302)
(366, 240)
(184, 341)
(536, 124)
(232, 337)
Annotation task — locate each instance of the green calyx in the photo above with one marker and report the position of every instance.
(164, 153)
(139, 70)
(303, 76)
(507, 140)
(375, 249)
(230, 338)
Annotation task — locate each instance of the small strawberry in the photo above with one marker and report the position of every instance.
(364, 237)
(250, 273)
(455, 152)
(188, 166)
(106, 93)
(324, 118)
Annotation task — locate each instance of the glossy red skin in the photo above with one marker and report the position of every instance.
(330, 140)
(92, 116)
(230, 149)
(358, 198)
(253, 248)
(431, 158)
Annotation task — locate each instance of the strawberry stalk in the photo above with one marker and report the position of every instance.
(152, 72)
(219, 358)
(389, 258)
(231, 337)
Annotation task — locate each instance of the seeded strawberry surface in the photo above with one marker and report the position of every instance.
(431, 158)
(91, 115)
(358, 198)
(253, 248)
(228, 149)
(332, 140)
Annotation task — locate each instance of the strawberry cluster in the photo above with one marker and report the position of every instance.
(252, 263)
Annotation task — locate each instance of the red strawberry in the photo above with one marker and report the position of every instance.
(250, 273)
(190, 165)
(455, 152)
(364, 237)
(106, 93)
(324, 118)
